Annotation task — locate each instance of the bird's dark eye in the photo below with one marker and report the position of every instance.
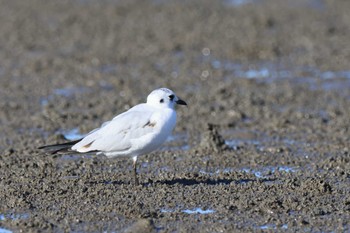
(161, 101)
(171, 97)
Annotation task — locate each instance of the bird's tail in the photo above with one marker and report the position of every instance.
(55, 148)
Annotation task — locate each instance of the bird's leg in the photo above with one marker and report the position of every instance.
(135, 170)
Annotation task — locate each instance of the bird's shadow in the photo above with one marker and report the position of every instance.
(189, 181)
(114, 182)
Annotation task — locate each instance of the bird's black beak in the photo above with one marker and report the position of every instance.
(181, 102)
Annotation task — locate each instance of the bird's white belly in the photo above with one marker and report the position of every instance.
(148, 143)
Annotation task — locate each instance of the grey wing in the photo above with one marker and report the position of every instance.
(117, 134)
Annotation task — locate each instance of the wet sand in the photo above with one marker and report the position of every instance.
(263, 145)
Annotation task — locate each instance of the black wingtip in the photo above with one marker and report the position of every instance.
(55, 148)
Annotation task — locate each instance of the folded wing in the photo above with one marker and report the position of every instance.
(116, 135)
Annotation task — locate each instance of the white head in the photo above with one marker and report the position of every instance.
(164, 98)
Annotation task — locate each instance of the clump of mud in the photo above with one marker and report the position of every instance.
(212, 140)
(141, 226)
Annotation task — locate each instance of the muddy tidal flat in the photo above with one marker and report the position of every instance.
(263, 145)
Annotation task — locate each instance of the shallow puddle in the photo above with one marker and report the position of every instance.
(240, 138)
(315, 4)
(176, 142)
(70, 91)
(259, 172)
(235, 144)
(237, 3)
(64, 92)
(272, 227)
(74, 157)
(268, 171)
(72, 134)
(190, 211)
(3, 230)
(198, 211)
(14, 216)
(270, 72)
